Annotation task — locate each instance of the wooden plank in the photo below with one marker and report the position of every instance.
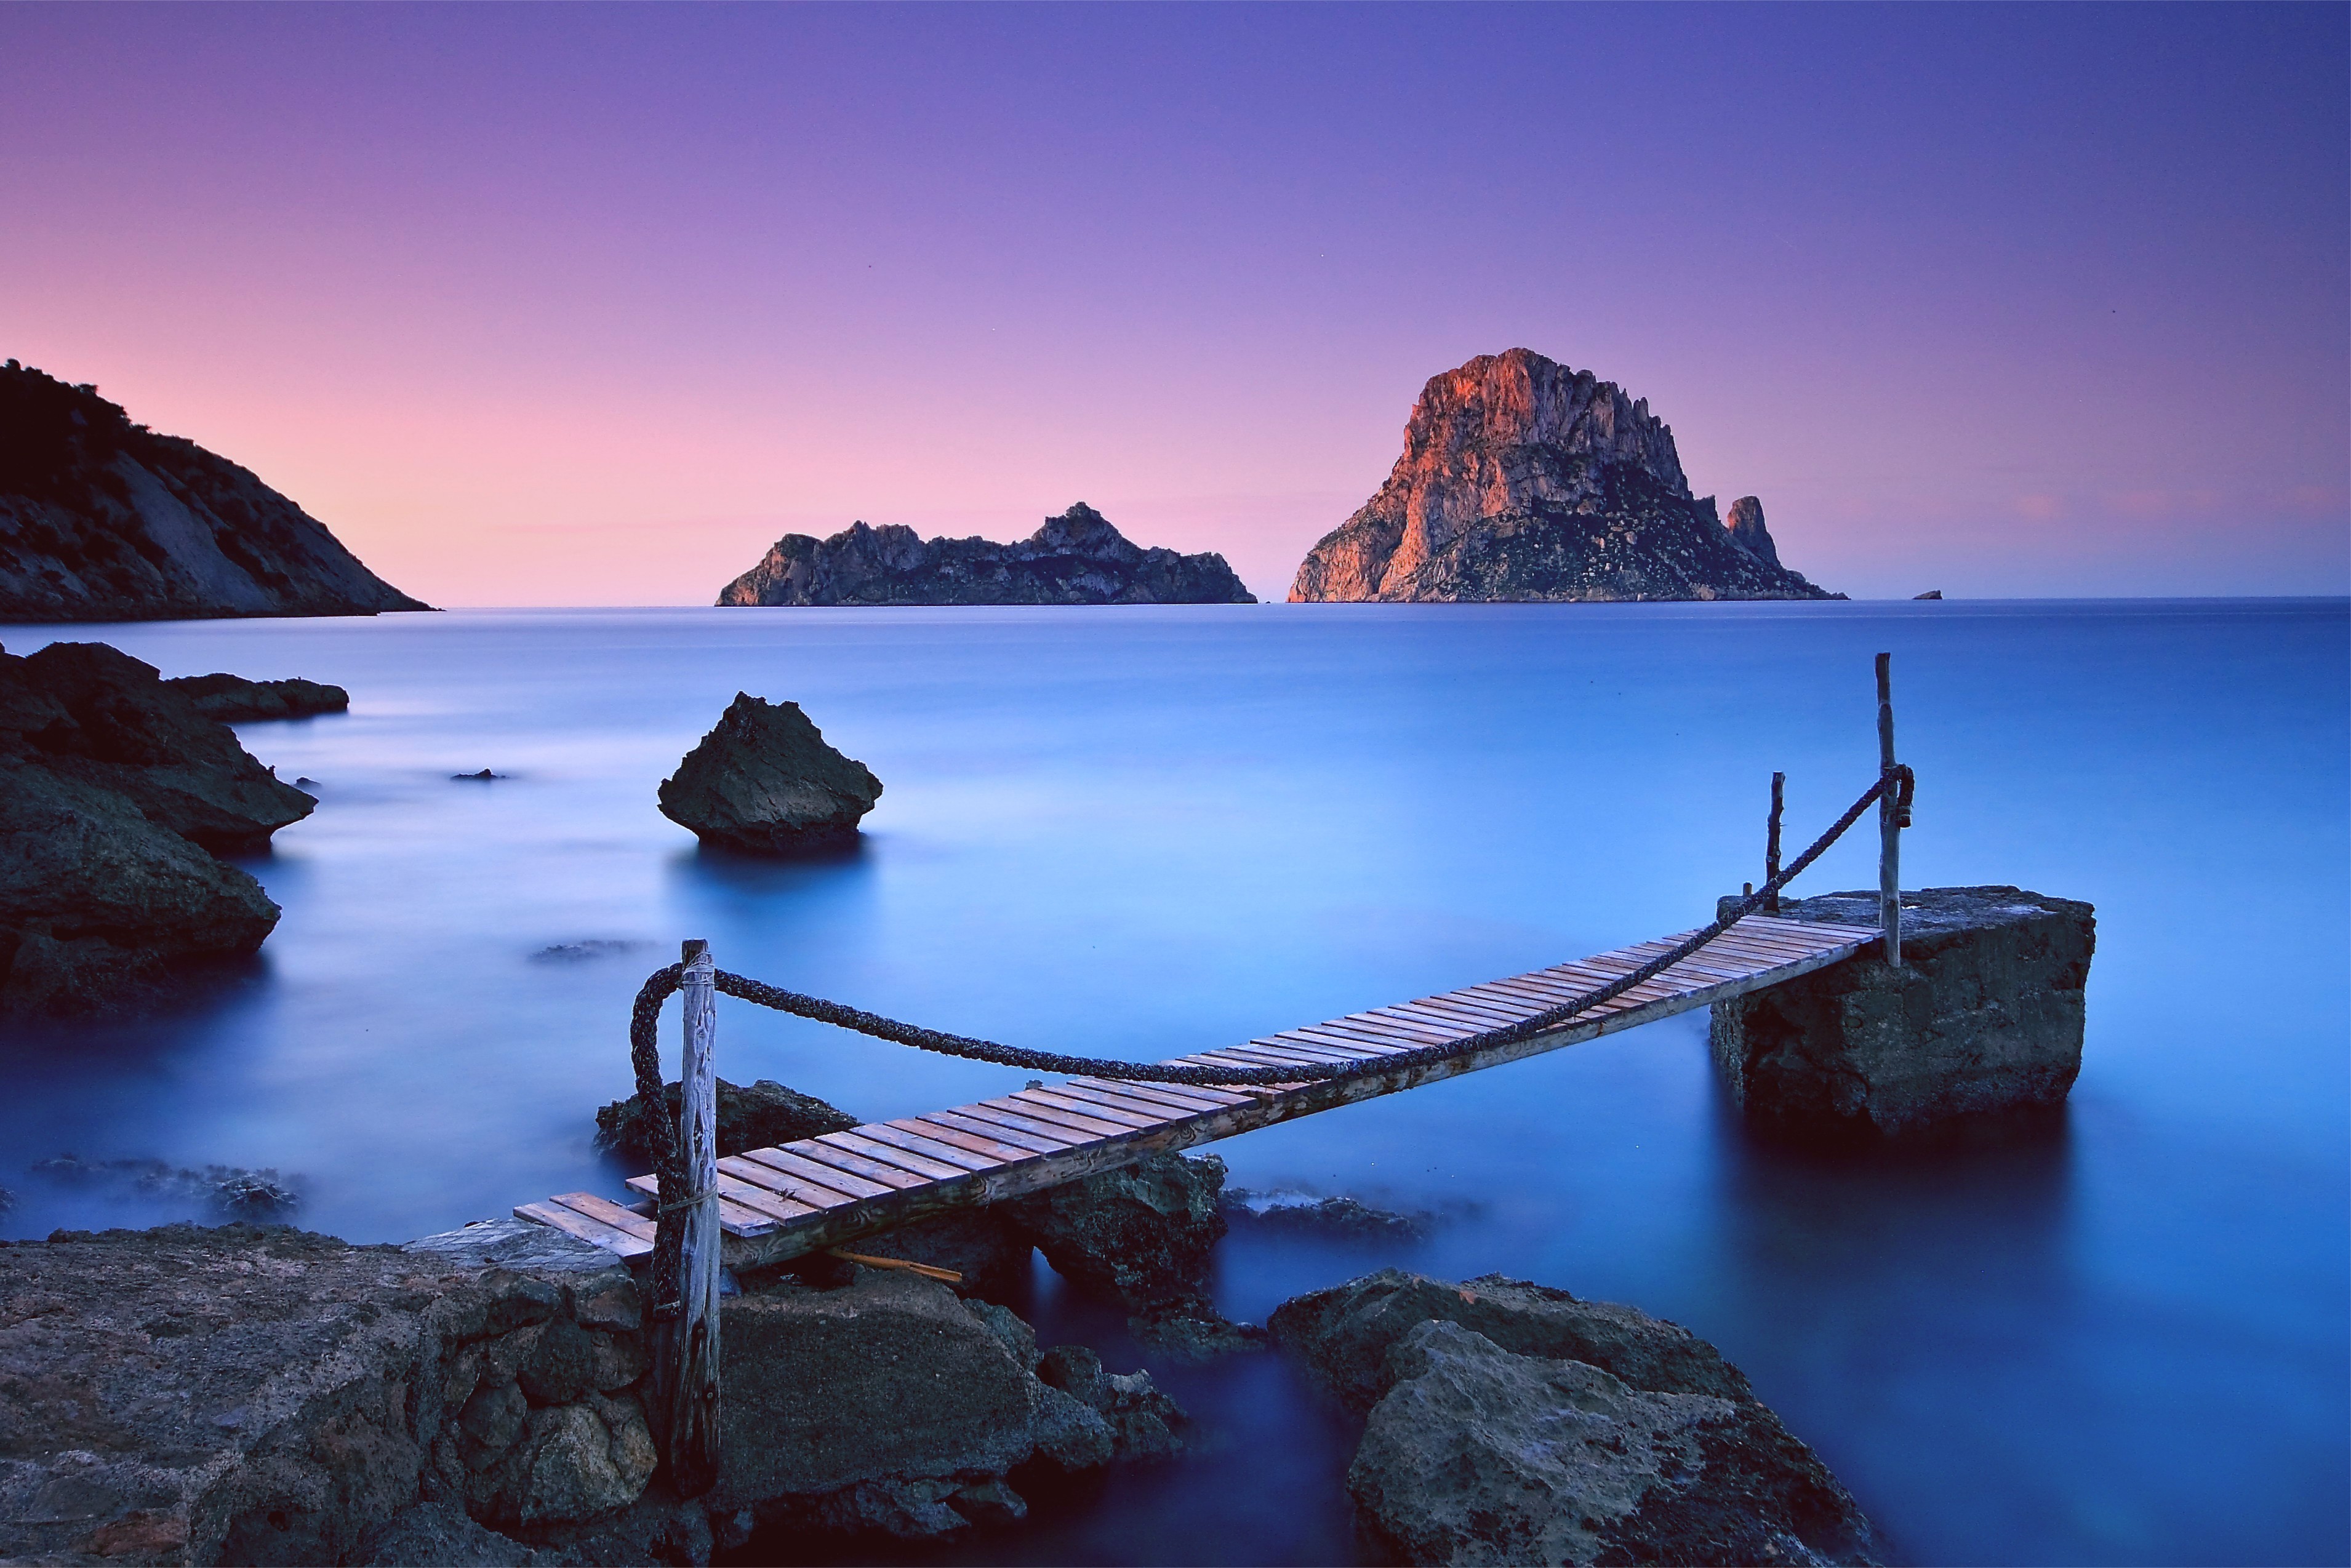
(1178, 1098)
(995, 1150)
(1028, 1126)
(1294, 1051)
(1339, 1037)
(792, 1163)
(767, 1178)
(855, 1142)
(929, 1148)
(897, 1178)
(999, 1124)
(606, 1210)
(1134, 1104)
(744, 1209)
(1092, 1127)
(1076, 1106)
(573, 1223)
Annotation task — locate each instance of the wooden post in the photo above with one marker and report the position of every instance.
(692, 1350)
(1889, 828)
(1771, 844)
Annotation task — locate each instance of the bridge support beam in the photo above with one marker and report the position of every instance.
(1983, 1018)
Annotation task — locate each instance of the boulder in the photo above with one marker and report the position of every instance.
(889, 1406)
(750, 1116)
(1345, 1220)
(1143, 1235)
(765, 782)
(98, 902)
(1343, 1336)
(1143, 1423)
(1983, 1020)
(233, 699)
(1478, 1455)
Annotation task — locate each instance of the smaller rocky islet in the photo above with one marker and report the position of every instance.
(764, 781)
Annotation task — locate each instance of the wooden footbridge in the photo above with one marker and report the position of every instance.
(768, 1206)
(780, 1203)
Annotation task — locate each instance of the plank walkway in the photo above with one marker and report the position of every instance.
(777, 1203)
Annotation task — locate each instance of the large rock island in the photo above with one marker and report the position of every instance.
(1522, 479)
(101, 519)
(1077, 557)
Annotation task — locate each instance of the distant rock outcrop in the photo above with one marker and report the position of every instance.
(113, 788)
(101, 519)
(1522, 479)
(765, 782)
(1077, 557)
(233, 699)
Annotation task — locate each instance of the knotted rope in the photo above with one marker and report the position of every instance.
(669, 1165)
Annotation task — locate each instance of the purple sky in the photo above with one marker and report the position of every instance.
(586, 306)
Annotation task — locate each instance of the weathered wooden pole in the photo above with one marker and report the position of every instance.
(692, 1352)
(1772, 843)
(1889, 825)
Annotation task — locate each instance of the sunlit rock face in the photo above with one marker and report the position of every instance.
(1525, 480)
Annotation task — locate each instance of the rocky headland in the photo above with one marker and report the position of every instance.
(118, 796)
(1523, 479)
(763, 782)
(1077, 557)
(103, 519)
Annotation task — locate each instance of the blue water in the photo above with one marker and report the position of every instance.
(1146, 831)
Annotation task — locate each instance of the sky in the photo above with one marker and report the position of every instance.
(555, 305)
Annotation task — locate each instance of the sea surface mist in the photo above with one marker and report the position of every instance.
(1140, 833)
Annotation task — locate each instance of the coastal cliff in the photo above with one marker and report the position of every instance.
(1523, 479)
(103, 519)
(1077, 557)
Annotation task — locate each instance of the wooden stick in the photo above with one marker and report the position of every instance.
(1889, 828)
(928, 1272)
(1772, 843)
(692, 1350)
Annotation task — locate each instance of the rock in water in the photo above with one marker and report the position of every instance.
(115, 786)
(1522, 479)
(1512, 1423)
(755, 1116)
(1077, 557)
(101, 519)
(233, 699)
(764, 781)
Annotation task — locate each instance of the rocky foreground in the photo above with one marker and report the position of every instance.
(1077, 557)
(118, 796)
(1522, 479)
(101, 519)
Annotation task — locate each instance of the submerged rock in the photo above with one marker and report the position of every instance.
(765, 782)
(750, 1116)
(1512, 1423)
(1341, 1219)
(233, 699)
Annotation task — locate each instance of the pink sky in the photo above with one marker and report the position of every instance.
(546, 306)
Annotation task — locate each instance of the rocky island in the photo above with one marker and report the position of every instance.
(103, 519)
(1077, 557)
(1522, 479)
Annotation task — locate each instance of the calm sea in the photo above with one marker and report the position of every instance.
(1144, 831)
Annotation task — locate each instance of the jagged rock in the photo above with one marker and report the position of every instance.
(233, 699)
(1745, 522)
(519, 1244)
(1475, 1455)
(1142, 1420)
(1343, 1336)
(101, 519)
(1984, 1019)
(442, 1534)
(874, 1408)
(1522, 479)
(1143, 1235)
(1342, 1219)
(1195, 1333)
(750, 1116)
(1930, 593)
(765, 782)
(88, 712)
(1077, 557)
(96, 903)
